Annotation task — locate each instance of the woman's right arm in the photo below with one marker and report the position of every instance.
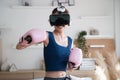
(21, 45)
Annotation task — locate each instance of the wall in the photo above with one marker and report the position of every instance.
(117, 26)
(16, 21)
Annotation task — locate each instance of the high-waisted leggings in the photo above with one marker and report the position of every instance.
(64, 78)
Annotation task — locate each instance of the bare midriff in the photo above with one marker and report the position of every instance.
(55, 74)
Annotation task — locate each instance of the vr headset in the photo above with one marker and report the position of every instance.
(59, 19)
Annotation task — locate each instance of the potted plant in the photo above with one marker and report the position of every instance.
(81, 43)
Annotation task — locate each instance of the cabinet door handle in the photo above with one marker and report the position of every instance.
(96, 46)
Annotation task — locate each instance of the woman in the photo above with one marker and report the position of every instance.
(57, 45)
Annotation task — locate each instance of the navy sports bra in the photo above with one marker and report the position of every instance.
(56, 56)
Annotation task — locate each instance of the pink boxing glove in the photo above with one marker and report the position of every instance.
(33, 36)
(75, 58)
